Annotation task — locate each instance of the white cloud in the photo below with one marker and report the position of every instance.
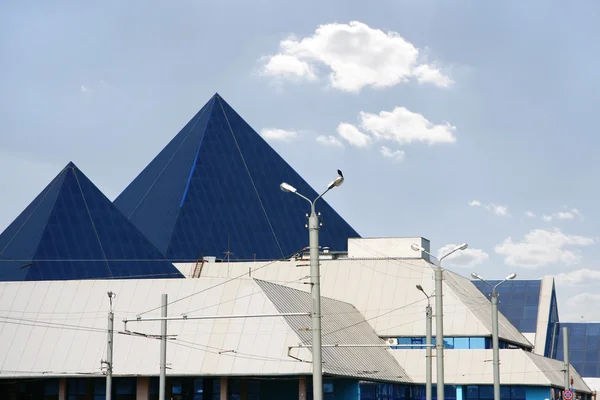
(84, 89)
(399, 126)
(497, 209)
(583, 307)
(403, 126)
(542, 247)
(287, 66)
(397, 155)
(563, 215)
(466, 258)
(278, 134)
(329, 141)
(352, 135)
(579, 277)
(428, 73)
(355, 55)
(529, 214)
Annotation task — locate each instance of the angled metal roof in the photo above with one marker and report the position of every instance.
(59, 328)
(468, 293)
(553, 369)
(383, 291)
(341, 324)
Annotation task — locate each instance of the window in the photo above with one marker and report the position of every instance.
(51, 389)
(124, 388)
(76, 389)
(198, 389)
(451, 343)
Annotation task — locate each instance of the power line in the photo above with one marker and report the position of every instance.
(221, 283)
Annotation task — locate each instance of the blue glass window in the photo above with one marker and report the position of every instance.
(452, 343)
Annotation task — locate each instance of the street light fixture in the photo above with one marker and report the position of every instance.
(428, 357)
(315, 277)
(439, 316)
(495, 345)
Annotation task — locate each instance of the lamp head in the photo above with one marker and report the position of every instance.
(511, 276)
(286, 187)
(336, 182)
(416, 247)
(462, 246)
(476, 276)
(419, 287)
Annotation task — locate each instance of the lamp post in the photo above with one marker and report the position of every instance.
(495, 346)
(439, 316)
(428, 343)
(315, 275)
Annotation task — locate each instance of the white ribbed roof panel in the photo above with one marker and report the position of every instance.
(384, 291)
(59, 328)
(474, 367)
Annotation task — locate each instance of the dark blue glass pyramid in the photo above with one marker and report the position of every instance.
(72, 231)
(518, 301)
(214, 191)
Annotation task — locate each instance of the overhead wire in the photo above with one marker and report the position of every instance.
(222, 283)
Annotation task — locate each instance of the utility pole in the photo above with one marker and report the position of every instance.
(495, 341)
(439, 313)
(313, 228)
(315, 280)
(567, 369)
(109, 348)
(163, 332)
(428, 357)
(495, 345)
(162, 392)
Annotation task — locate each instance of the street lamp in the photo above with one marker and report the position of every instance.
(315, 277)
(495, 345)
(428, 343)
(439, 317)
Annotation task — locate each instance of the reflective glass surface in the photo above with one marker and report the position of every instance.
(584, 347)
(214, 191)
(517, 300)
(72, 231)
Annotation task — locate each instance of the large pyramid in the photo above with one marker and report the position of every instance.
(72, 231)
(214, 191)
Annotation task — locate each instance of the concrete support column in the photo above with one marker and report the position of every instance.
(62, 389)
(224, 388)
(142, 388)
(302, 388)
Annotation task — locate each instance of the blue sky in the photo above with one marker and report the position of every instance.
(484, 103)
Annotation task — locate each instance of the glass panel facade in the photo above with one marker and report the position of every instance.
(584, 347)
(517, 300)
(77, 233)
(222, 181)
(384, 391)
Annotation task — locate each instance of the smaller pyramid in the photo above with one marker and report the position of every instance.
(72, 231)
